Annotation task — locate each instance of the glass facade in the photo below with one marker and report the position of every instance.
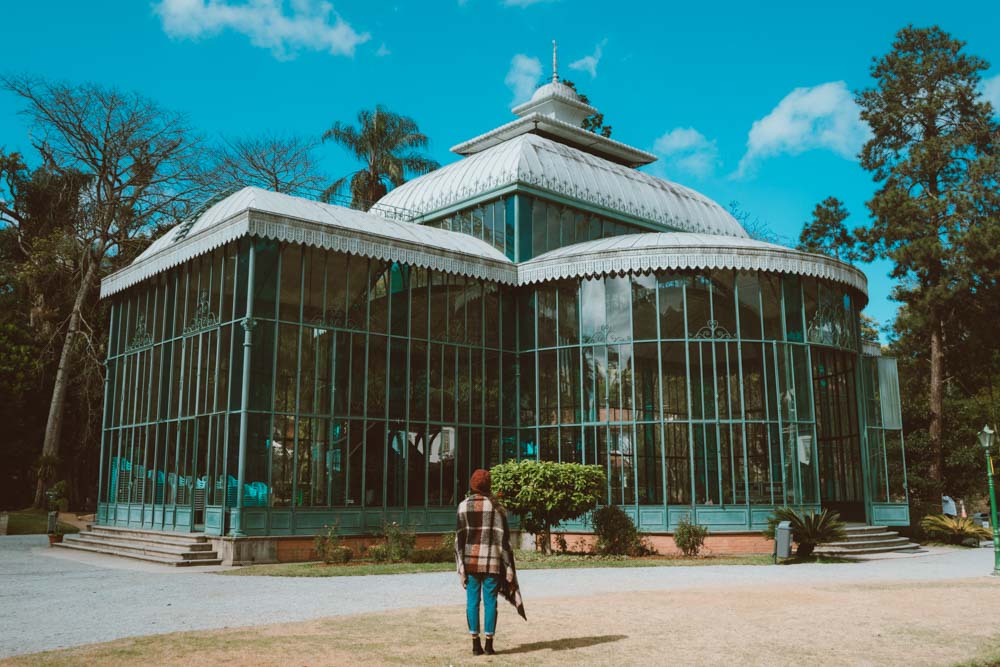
(375, 388)
(544, 225)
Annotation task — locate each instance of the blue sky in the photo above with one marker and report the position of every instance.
(744, 101)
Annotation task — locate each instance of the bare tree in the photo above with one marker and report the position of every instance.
(281, 164)
(755, 227)
(141, 161)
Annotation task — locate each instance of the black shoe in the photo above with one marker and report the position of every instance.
(477, 646)
(489, 646)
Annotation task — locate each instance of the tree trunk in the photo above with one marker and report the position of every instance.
(937, 401)
(53, 426)
(546, 540)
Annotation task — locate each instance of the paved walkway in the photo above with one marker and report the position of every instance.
(54, 598)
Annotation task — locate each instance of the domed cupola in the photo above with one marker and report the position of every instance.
(556, 100)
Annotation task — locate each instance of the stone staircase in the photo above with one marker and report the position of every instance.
(177, 549)
(865, 540)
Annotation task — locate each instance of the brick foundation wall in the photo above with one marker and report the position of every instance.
(721, 544)
(299, 549)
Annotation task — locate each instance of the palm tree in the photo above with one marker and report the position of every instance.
(388, 144)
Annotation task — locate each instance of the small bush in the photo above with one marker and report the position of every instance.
(448, 542)
(561, 543)
(954, 529)
(432, 555)
(398, 541)
(808, 528)
(690, 537)
(327, 544)
(379, 553)
(340, 555)
(616, 534)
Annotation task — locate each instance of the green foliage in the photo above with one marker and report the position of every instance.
(432, 555)
(935, 157)
(826, 233)
(690, 537)
(616, 534)
(448, 542)
(594, 122)
(808, 528)
(954, 529)
(561, 544)
(387, 144)
(399, 542)
(545, 493)
(328, 547)
(379, 553)
(56, 497)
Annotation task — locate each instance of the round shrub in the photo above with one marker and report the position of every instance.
(616, 534)
(690, 537)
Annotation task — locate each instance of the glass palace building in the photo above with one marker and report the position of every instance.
(277, 364)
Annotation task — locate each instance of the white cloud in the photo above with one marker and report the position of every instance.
(589, 63)
(308, 24)
(687, 149)
(823, 116)
(383, 50)
(522, 77)
(991, 91)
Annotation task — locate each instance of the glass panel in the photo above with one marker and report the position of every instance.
(593, 314)
(378, 297)
(282, 460)
(649, 464)
(618, 299)
(546, 295)
(395, 465)
(315, 282)
(793, 308)
(291, 283)
(399, 289)
(724, 302)
(265, 278)
(336, 462)
(569, 317)
(375, 436)
(416, 461)
(644, 307)
(570, 445)
(376, 375)
(336, 289)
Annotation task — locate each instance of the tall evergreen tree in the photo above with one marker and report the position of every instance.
(826, 234)
(934, 155)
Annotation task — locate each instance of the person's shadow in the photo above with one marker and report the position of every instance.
(563, 644)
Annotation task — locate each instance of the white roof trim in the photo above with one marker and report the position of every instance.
(574, 136)
(379, 239)
(639, 253)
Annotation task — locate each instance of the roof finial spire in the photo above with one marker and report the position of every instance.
(555, 63)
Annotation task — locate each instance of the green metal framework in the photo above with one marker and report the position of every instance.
(269, 389)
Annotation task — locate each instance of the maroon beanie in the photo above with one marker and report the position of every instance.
(480, 482)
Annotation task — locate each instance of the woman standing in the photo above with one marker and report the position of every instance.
(485, 559)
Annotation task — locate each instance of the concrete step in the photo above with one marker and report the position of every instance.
(163, 535)
(143, 547)
(857, 528)
(864, 537)
(892, 542)
(152, 539)
(164, 560)
(824, 550)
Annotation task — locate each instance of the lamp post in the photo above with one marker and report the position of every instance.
(986, 440)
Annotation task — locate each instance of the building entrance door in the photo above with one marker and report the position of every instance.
(838, 433)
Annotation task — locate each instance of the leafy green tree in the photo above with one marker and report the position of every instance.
(933, 153)
(388, 144)
(826, 234)
(594, 122)
(544, 494)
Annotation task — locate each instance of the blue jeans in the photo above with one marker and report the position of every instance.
(489, 584)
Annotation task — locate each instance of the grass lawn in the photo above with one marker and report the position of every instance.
(846, 624)
(526, 560)
(33, 522)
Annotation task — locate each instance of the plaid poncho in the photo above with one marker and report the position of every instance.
(482, 545)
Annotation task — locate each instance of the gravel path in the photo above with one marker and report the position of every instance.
(53, 598)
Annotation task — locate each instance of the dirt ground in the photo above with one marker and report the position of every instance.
(948, 623)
